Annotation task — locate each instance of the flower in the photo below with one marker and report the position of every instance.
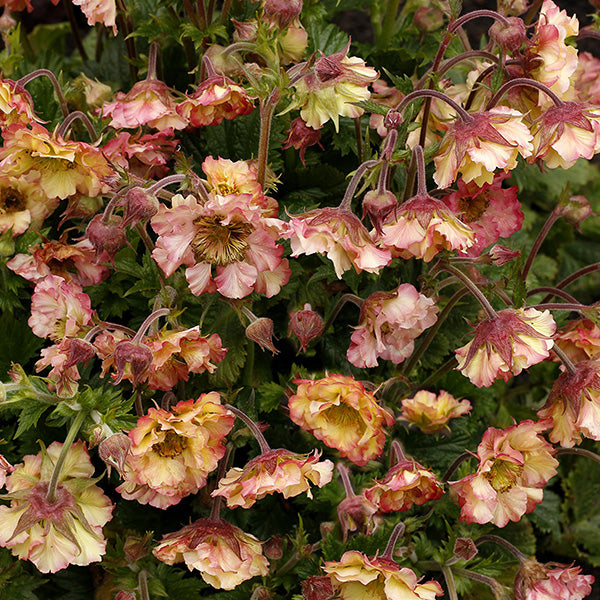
(148, 102)
(215, 99)
(64, 376)
(16, 105)
(99, 11)
(340, 235)
(574, 405)
(535, 581)
(58, 309)
(60, 167)
(226, 233)
(339, 411)
(406, 483)
(278, 470)
(580, 340)
(586, 80)
(477, 146)
(506, 344)
(431, 412)
(491, 211)
(357, 512)
(514, 465)
(564, 134)
(225, 555)
(389, 323)
(300, 137)
(54, 534)
(172, 452)
(333, 88)
(5, 469)
(421, 227)
(356, 576)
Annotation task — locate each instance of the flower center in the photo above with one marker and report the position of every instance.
(220, 244)
(504, 475)
(11, 201)
(472, 209)
(223, 188)
(343, 415)
(173, 445)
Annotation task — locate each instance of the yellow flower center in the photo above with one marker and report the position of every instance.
(504, 475)
(223, 188)
(220, 244)
(173, 445)
(342, 415)
(11, 201)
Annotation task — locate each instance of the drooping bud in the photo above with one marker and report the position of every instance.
(501, 255)
(300, 136)
(509, 37)
(135, 548)
(80, 351)
(113, 451)
(261, 332)
(317, 587)
(392, 120)
(358, 513)
(106, 236)
(273, 548)
(283, 12)
(465, 548)
(575, 210)
(378, 205)
(306, 325)
(428, 18)
(140, 205)
(137, 356)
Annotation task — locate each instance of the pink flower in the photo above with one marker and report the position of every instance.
(226, 233)
(357, 512)
(406, 483)
(64, 377)
(574, 405)
(586, 79)
(389, 323)
(58, 309)
(99, 11)
(300, 136)
(55, 533)
(16, 105)
(215, 99)
(340, 235)
(356, 577)
(431, 412)
(149, 102)
(172, 452)
(487, 141)
(580, 339)
(225, 555)
(75, 263)
(506, 344)
(514, 465)
(423, 226)
(274, 471)
(535, 581)
(491, 211)
(5, 469)
(339, 411)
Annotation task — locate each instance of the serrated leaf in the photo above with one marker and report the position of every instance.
(325, 37)
(546, 517)
(269, 396)
(30, 415)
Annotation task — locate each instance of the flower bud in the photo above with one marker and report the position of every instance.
(140, 205)
(317, 587)
(378, 205)
(138, 356)
(428, 18)
(300, 136)
(123, 595)
(501, 255)
(465, 548)
(509, 37)
(357, 512)
(80, 351)
(273, 548)
(106, 237)
(113, 451)
(135, 548)
(260, 331)
(306, 325)
(392, 120)
(6, 22)
(283, 12)
(575, 210)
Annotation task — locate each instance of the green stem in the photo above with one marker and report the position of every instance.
(143, 585)
(450, 584)
(73, 431)
(457, 462)
(77, 116)
(440, 372)
(396, 534)
(388, 23)
(346, 202)
(523, 82)
(267, 110)
(552, 291)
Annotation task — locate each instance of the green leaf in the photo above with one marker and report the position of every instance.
(325, 37)
(270, 395)
(546, 517)
(30, 415)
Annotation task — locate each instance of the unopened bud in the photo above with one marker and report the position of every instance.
(122, 595)
(300, 136)
(378, 205)
(306, 325)
(113, 451)
(80, 351)
(357, 512)
(282, 12)
(465, 548)
(392, 120)
(138, 356)
(318, 587)
(106, 237)
(500, 255)
(513, 7)
(273, 548)
(6, 22)
(140, 205)
(260, 331)
(428, 18)
(575, 210)
(509, 37)
(244, 30)
(135, 548)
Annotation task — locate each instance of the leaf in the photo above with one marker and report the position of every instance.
(546, 517)
(30, 415)
(234, 339)
(270, 395)
(325, 38)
